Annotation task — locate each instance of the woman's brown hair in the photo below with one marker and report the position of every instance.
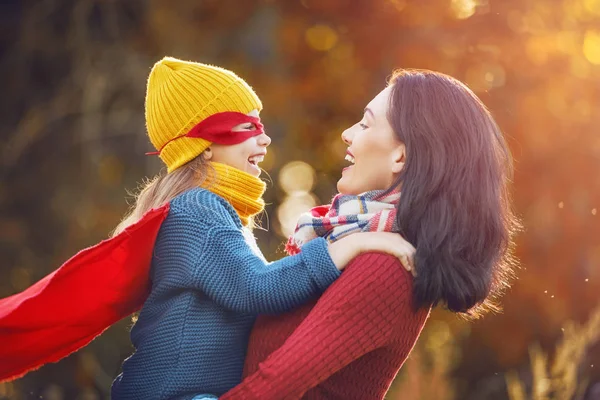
(455, 206)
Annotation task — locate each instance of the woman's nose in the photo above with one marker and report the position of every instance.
(264, 140)
(346, 137)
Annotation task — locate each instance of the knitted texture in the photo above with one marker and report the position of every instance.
(209, 282)
(180, 94)
(348, 345)
(242, 190)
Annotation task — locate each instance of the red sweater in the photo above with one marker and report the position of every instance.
(349, 344)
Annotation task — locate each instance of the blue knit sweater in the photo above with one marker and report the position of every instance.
(210, 281)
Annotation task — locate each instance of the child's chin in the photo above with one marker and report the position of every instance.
(253, 170)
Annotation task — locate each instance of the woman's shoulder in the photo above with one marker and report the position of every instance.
(377, 287)
(204, 205)
(382, 273)
(379, 261)
(382, 282)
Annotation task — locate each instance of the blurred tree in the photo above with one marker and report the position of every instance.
(73, 137)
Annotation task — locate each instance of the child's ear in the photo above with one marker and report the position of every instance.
(207, 154)
(398, 159)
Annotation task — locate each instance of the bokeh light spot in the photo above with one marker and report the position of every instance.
(296, 176)
(463, 9)
(321, 37)
(291, 208)
(593, 6)
(481, 77)
(591, 47)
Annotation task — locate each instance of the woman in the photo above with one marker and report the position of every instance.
(429, 136)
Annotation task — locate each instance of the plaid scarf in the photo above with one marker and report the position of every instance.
(367, 212)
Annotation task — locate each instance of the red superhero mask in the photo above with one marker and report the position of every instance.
(218, 129)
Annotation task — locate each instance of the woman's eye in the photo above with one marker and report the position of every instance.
(363, 126)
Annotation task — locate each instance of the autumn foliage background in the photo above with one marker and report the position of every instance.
(73, 142)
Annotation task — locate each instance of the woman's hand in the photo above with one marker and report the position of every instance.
(352, 245)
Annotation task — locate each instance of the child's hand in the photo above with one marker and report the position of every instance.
(352, 245)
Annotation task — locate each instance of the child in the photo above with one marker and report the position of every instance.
(209, 279)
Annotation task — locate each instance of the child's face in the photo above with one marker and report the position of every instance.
(244, 156)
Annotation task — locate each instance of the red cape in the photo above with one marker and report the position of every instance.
(70, 307)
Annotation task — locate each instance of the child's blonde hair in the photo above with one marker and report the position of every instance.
(163, 188)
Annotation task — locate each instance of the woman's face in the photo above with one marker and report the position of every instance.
(376, 156)
(244, 156)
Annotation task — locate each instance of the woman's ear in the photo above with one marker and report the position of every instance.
(398, 159)
(207, 154)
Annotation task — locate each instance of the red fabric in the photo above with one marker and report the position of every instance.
(218, 129)
(349, 344)
(70, 307)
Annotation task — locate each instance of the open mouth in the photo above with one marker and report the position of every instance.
(255, 159)
(349, 157)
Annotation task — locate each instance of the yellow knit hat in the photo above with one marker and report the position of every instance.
(180, 94)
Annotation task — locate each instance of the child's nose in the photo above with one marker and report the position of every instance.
(264, 139)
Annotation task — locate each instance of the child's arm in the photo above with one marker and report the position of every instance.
(358, 314)
(231, 274)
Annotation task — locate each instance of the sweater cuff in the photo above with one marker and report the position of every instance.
(315, 255)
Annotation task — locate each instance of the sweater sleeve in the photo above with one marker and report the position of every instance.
(233, 275)
(357, 315)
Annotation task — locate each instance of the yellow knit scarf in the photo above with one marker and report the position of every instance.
(242, 190)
